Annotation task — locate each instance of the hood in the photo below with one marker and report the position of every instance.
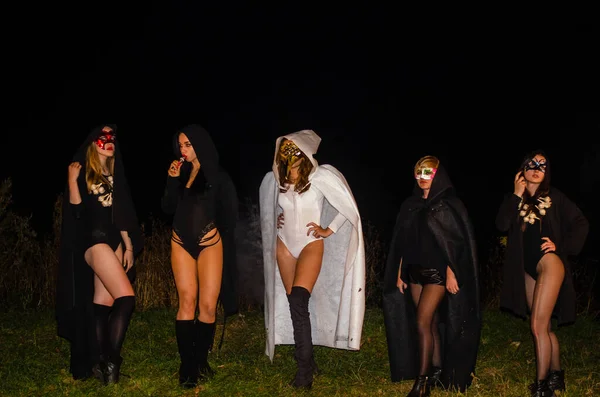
(307, 141)
(205, 149)
(441, 184)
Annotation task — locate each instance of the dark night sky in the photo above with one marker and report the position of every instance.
(381, 87)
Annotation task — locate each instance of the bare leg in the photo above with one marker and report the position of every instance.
(551, 273)
(110, 279)
(210, 273)
(287, 265)
(186, 280)
(309, 264)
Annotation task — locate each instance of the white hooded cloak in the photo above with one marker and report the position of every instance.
(337, 302)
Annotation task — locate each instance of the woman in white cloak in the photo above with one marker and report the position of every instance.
(314, 257)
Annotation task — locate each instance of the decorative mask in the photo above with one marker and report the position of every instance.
(533, 164)
(105, 137)
(290, 153)
(425, 173)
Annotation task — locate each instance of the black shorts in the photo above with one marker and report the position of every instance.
(421, 275)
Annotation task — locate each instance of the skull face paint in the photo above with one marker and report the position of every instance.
(105, 137)
(533, 164)
(425, 173)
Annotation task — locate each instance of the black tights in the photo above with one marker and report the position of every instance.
(427, 298)
(111, 326)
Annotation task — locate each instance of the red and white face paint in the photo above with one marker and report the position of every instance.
(106, 136)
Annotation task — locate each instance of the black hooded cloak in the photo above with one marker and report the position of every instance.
(459, 315)
(567, 228)
(217, 184)
(75, 278)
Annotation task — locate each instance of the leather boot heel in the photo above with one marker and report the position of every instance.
(420, 387)
(435, 378)
(556, 380)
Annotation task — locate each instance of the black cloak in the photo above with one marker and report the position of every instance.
(459, 315)
(75, 278)
(568, 229)
(226, 200)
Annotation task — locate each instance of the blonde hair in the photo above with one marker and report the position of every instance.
(93, 169)
(427, 161)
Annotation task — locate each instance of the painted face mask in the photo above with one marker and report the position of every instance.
(425, 173)
(105, 137)
(290, 153)
(533, 164)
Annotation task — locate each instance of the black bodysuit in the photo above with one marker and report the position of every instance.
(532, 246)
(194, 219)
(96, 210)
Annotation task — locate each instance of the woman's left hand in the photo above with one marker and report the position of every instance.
(318, 231)
(548, 246)
(451, 282)
(127, 260)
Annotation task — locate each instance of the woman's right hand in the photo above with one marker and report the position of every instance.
(280, 221)
(519, 184)
(174, 168)
(74, 170)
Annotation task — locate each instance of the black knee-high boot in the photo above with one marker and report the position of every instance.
(205, 334)
(188, 371)
(118, 323)
(303, 353)
(99, 359)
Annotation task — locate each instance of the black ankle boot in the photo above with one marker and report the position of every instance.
(420, 387)
(188, 372)
(205, 335)
(540, 389)
(303, 354)
(556, 380)
(434, 380)
(113, 369)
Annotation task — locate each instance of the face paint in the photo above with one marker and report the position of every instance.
(105, 137)
(533, 164)
(290, 154)
(425, 173)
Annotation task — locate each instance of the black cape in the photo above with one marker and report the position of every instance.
(568, 229)
(75, 279)
(459, 315)
(227, 207)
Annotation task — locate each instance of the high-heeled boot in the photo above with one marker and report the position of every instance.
(188, 371)
(118, 323)
(434, 379)
(420, 387)
(541, 389)
(556, 380)
(205, 334)
(303, 353)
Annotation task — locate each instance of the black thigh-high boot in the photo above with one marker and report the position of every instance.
(205, 334)
(188, 372)
(118, 323)
(303, 353)
(99, 359)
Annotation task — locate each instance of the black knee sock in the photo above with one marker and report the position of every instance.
(117, 325)
(101, 314)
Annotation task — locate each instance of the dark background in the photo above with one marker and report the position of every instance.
(382, 86)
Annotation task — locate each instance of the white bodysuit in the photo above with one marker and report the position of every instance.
(298, 211)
